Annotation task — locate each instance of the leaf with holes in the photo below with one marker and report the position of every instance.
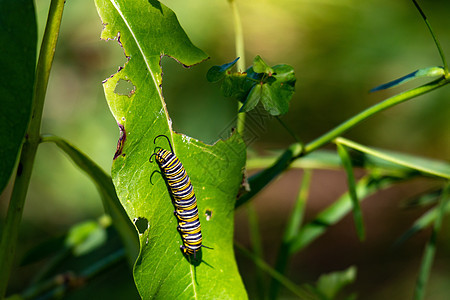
(147, 30)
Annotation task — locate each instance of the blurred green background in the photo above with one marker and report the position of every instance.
(339, 50)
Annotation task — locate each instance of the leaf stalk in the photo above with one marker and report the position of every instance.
(10, 230)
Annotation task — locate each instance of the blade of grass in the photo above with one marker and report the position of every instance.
(420, 224)
(430, 248)
(356, 208)
(291, 231)
(428, 166)
(10, 230)
(303, 292)
(106, 188)
(365, 187)
(255, 240)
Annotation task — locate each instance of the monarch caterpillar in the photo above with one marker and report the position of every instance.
(183, 196)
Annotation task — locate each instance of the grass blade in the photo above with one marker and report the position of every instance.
(303, 292)
(106, 188)
(430, 248)
(292, 229)
(427, 166)
(357, 214)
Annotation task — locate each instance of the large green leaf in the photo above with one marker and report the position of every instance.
(18, 60)
(147, 30)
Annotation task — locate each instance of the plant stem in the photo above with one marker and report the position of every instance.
(240, 52)
(436, 41)
(291, 231)
(60, 284)
(10, 231)
(303, 292)
(430, 248)
(255, 240)
(289, 130)
(350, 123)
(260, 180)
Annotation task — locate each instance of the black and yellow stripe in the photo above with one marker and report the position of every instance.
(184, 199)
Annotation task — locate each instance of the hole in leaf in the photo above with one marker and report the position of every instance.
(208, 214)
(141, 224)
(124, 88)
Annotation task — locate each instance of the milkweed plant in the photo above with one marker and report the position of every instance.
(174, 219)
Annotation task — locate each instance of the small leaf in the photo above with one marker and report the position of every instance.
(253, 98)
(279, 92)
(18, 60)
(331, 284)
(217, 73)
(425, 72)
(260, 66)
(237, 85)
(85, 237)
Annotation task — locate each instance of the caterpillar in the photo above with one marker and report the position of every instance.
(183, 196)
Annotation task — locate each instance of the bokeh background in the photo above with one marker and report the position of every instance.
(339, 50)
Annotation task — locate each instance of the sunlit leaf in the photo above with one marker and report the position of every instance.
(147, 30)
(331, 284)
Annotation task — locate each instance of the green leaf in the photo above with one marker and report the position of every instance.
(357, 214)
(161, 270)
(425, 72)
(253, 98)
(217, 73)
(423, 165)
(331, 284)
(273, 87)
(430, 249)
(260, 66)
(85, 237)
(18, 60)
(105, 186)
(365, 187)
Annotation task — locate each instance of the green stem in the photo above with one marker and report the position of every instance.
(430, 248)
(60, 284)
(240, 52)
(255, 239)
(291, 231)
(436, 41)
(303, 292)
(260, 180)
(10, 231)
(289, 130)
(350, 123)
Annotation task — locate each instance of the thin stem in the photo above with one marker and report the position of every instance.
(352, 122)
(291, 231)
(10, 231)
(301, 291)
(289, 130)
(255, 239)
(295, 151)
(430, 248)
(436, 41)
(60, 284)
(240, 52)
